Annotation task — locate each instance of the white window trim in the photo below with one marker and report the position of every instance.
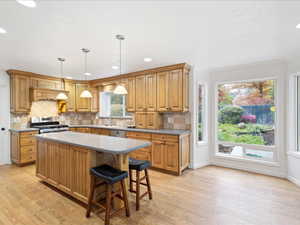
(255, 147)
(293, 132)
(204, 114)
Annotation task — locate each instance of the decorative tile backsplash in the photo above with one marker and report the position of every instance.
(49, 108)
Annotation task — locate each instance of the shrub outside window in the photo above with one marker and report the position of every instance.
(201, 112)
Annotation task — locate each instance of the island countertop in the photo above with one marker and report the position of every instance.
(99, 143)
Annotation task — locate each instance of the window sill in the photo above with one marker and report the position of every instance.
(294, 154)
(115, 117)
(202, 143)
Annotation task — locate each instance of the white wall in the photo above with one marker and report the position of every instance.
(4, 118)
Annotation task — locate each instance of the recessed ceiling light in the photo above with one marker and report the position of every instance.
(87, 74)
(2, 31)
(27, 3)
(69, 78)
(147, 59)
(298, 26)
(115, 67)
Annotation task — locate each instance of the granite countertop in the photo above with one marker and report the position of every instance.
(23, 129)
(160, 131)
(100, 143)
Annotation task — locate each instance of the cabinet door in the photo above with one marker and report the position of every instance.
(151, 92)
(95, 100)
(175, 90)
(158, 154)
(171, 158)
(82, 104)
(140, 98)
(47, 84)
(65, 167)
(71, 102)
(20, 101)
(153, 120)
(185, 90)
(162, 91)
(130, 100)
(141, 120)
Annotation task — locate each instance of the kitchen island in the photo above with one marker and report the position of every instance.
(64, 158)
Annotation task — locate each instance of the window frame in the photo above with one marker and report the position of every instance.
(273, 148)
(204, 114)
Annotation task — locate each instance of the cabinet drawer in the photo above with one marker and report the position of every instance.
(28, 134)
(28, 154)
(139, 135)
(165, 137)
(29, 140)
(140, 155)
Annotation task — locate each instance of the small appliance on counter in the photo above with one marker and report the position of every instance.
(47, 125)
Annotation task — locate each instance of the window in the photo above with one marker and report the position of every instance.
(201, 113)
(246, 119)
(112, 105)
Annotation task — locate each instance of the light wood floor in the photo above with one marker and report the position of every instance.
(208, 196)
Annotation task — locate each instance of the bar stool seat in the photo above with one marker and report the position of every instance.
(108, 176)
(138, 166)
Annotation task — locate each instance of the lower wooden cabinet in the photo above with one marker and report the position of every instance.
(23, 147)
(143, 153)
(158, 154)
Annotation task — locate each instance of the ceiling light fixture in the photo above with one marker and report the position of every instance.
(147, 59)
(2, 31)
(70, 78)
(61, 95)
(27, 3)
(120, 89)
(85, 93)
(298, 26)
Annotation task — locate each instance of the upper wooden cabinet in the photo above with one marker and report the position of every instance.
(140, 93)
(55, 84)
(130, 100)
(82, 104)
(151, 92)
(172, 91)
(162, 92)
(19, 94)
(149, 120)
(70, 86)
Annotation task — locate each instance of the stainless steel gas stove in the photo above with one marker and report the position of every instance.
(47, 125)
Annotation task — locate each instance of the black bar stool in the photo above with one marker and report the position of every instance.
(108, 176)
(138, 166)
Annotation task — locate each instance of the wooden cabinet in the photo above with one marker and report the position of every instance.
(150, 91)
(148, 120)
(83, 129)
(172, 91)
(130, 100)
(94, 100)
(45, 83)
(162, 91)
(23, 147)
(171, 159)
(140, 91)
(141, 120)
(158, 148)
(82, 104)
(19, 94)
(143, 153)
(175, 91)
(71, 101)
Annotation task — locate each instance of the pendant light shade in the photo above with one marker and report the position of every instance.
(61, 95)
(86, 93)
(120, 89)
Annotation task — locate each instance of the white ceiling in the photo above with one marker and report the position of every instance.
(204, 34)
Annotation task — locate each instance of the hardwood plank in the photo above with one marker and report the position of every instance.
(207, 196)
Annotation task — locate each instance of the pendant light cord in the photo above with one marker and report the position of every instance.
(85, 65)
(120, 57)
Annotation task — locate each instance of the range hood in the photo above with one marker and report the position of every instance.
(39, 94)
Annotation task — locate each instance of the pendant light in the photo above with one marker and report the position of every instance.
(120, 89)
(86, 93)
(61, 95)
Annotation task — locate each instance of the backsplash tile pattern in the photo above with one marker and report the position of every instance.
(48, 108)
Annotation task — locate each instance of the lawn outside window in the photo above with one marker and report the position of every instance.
(246, 113)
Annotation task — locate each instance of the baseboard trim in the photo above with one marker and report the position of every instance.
(294, 180)
(199, 165)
